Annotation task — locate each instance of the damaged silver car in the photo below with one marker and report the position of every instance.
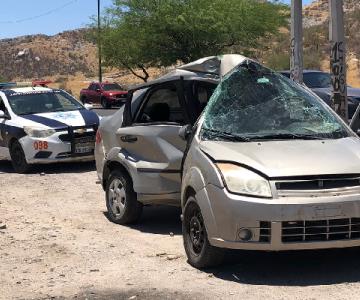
(138, 149)
(267, 166)
(270, 167)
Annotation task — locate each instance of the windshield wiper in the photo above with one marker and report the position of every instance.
(64, 110)
(29, 113)
(286, 136)
(228, 136)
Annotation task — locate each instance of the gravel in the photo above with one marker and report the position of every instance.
(59, 244)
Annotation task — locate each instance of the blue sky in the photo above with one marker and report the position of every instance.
(22, 17)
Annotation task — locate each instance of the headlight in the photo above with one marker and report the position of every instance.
(38, 132)
(242, 181)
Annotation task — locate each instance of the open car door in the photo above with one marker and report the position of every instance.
(151, 144)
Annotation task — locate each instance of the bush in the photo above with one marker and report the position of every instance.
(60, 79)
(312, 60)
(278, 61)
(3, 79)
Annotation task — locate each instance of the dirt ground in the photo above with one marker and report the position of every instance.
(56, 243)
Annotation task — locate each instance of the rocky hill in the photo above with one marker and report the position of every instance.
(38, 56)
(276, 50)
(317, 12)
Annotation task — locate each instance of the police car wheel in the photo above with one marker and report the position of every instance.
(18, 159)
(105, 103)
(121, 199)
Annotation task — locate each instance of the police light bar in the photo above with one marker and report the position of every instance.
(6, 85)
(42, 83)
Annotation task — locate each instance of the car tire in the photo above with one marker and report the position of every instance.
(105, 103)
(18, 159)
(199, 252)
(121, 199)
(83, 100)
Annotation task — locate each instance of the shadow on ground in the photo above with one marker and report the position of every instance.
(299, 268)
(292, 268)
(138, 294)
(158, 220)
(73, 167)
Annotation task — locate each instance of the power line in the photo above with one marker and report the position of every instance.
(41, 15)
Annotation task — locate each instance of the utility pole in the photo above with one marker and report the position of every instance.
(99, 42)
(338, 59)
(296, 59)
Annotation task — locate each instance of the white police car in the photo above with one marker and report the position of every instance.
(43, 125)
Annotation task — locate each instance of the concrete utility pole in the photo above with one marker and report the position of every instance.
(296, 59)
(99, 42)
(338, 59)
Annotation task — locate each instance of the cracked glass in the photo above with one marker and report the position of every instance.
(253, 102)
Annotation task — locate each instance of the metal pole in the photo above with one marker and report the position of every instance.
(99, 42)
(338, 59)
(296, 59)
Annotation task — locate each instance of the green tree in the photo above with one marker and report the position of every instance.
(2, 78)
(142, 33)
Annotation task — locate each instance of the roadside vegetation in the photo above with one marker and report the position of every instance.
(138, 34)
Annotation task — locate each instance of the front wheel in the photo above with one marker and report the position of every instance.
(199, 252)
(18, 159)
(105, 103)
(121, 200)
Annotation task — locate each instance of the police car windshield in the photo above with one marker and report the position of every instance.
(42, 102)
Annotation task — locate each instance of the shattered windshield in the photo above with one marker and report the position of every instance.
(255, 103)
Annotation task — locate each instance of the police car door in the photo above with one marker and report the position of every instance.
(152, 141)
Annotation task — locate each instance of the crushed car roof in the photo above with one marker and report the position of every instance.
(209, 69)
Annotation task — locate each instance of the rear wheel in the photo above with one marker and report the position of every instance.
(121, 200)
(18, 159)
(197, 247)
(105, 103)
(83, 99)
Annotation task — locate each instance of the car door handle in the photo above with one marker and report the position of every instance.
(128, 138)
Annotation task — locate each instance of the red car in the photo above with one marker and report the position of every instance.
(105, 93)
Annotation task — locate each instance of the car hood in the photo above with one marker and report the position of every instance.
(291, 158)
(82, 117)
(351, 92)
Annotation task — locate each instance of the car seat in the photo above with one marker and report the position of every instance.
(159, 112)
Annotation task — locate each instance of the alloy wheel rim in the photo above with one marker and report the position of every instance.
(117, 198)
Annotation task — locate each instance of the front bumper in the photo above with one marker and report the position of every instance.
(60, 147)
(280, 224)
(116, 100)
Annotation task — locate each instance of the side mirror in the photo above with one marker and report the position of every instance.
(185, 132)
(3, 115)
(88, 106)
